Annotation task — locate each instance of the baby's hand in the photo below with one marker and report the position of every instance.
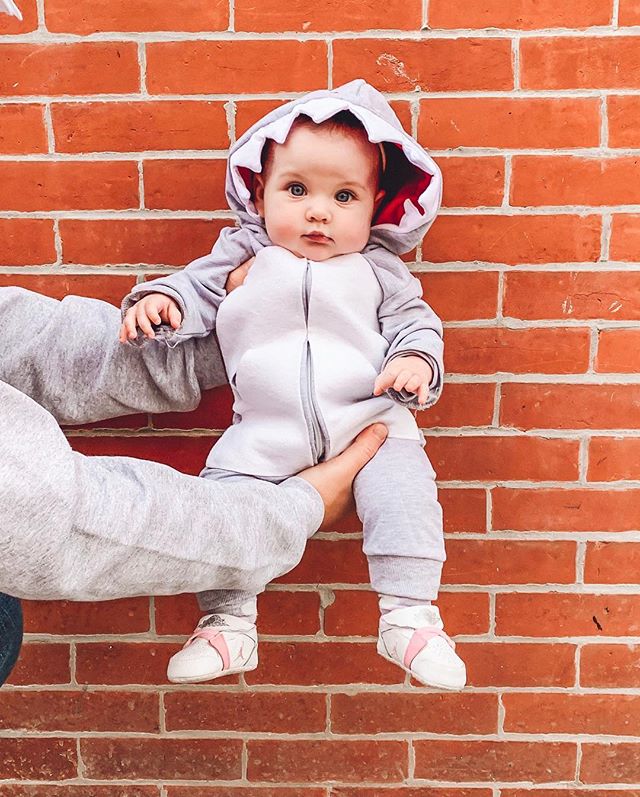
(409, 372)
(152, 309)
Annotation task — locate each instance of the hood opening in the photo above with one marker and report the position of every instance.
(401, 181)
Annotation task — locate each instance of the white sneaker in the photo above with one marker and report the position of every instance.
(412, 637)
(220, 645)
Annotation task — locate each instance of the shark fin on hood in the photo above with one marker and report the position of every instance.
(412, 181)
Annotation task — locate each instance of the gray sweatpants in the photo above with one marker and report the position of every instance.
(396, 499)
(95, 528)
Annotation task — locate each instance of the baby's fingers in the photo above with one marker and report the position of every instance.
(128, 328)
(401, 380)
(143, 322)
(383, 381)
(423, 393)
(175, 316)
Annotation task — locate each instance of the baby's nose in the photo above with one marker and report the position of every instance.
(318, 211)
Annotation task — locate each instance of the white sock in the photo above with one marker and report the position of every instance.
(388, 603)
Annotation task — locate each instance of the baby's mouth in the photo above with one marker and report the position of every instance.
(318, 237)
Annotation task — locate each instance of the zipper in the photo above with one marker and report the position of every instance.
(318, 438)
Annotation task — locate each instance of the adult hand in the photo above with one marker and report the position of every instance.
(237, 277)
(333, 479)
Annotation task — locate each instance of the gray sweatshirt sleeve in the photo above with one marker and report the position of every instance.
(407, 322)
(66, 356)
(199, 288)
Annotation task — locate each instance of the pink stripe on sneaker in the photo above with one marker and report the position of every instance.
(216, 640)
(419, 640)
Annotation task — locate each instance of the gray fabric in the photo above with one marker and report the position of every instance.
(406, 321)
(66, 356)
(396, 499)
(96, 528)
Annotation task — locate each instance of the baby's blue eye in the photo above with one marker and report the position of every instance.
(296, 189)
(344, 196)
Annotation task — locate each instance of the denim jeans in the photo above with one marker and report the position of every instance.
(10, 634)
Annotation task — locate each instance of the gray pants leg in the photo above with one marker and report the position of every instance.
(239, 602)
(396, 499)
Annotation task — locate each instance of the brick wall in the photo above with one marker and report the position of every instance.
(113, 147)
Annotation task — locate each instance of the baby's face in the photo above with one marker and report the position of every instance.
(319, 192)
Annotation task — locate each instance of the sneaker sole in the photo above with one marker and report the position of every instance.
(434, 684)
(209, 676)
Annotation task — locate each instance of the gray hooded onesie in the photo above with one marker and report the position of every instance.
(303, 342)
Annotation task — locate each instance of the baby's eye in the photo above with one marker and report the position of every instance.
(296, 189)
(344, 196)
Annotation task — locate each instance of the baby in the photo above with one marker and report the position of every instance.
(326, 335)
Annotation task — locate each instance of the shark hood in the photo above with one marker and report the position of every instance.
(411, 180)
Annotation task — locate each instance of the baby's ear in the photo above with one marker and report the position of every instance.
(378, 199)
(258, 193)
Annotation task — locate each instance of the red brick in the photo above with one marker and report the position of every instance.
(518, 351)
(404, 65)
(186, 454)
(567, 62)
(79, 68)
(213, 412)
(531, 122)
(612, 563)
(503, 458)
(355, 613)
(513, 240)
(503, 664)
(108, 287)
(567, 793)
(523, 15)
(610, 763)
(624, 120)
(629, 12)
(125, 616)
(613, 458)
(461, 295)
(563, 713)
(330, 562)
(472, 182)
(509, 562)
(610, 666)
(494, 760)
(547, 406)
(162, 759)
(38, 759)
(69, 790)
(172, 242)
(26, 242)
(80, 711)
(248, 112)
(618, 351)
(65, 185)
(42, 663)
(611, 295)
(139, 126)
(372, 713)
(406, 791)
(625, 237)
(461, 405)
(306, 16)
(22, 129)
(327, 760)
(463, 509)
(244, 791)
(566, 510)
(86, 17)
(10, 26)
(249, 712)
(315, 663)
(124, 662)
(560, 615)
(564, 180)
(200, 67)
(185, 184)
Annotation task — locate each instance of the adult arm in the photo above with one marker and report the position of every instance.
(66, 356)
